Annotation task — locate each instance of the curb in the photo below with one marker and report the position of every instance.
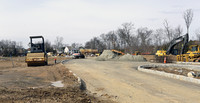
(189, 63)
(82, 84)
(186, 66)
(169, 75)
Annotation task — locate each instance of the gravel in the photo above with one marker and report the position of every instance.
(129, 57)
(106, 55)
(109, 55)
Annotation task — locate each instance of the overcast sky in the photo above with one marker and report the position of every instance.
(80, 20)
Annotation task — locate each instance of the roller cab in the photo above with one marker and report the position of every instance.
(37, 56)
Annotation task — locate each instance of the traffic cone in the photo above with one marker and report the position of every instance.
(165, 60)
(55, 60)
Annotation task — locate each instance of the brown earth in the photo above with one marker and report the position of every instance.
(153, 58)
(19, 83)
(149, 57)
(7, 62)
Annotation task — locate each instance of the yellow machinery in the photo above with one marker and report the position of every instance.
(117, 52)
(194, 51)
(161, 52)
(137, 53)
(97, 54)
(172, 44)
(87, 51)
(192, 55)
(37, 55)
(94, 52)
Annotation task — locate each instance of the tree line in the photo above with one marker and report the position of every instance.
(11, 48)
(128, 39)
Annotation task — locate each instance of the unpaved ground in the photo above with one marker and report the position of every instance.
(33, 84)
(153, 58)
(121, 82)
(14, 62)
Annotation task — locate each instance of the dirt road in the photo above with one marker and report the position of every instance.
(121, 82)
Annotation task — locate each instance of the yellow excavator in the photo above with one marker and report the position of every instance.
(37, 55)
(117, 52)
(192, 55)
(170, 52)
(172, 44)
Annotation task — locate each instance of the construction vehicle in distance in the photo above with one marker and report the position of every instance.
(77, 54)
(117, 52)
(137, 53)
(37, 55)
(172, 54)
(161, 52)
(173, 43)
(90, 52)
(194, 51)
(192, 55)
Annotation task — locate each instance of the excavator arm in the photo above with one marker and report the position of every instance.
(175, 41)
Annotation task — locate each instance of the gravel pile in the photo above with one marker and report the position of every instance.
(129, 57)
(106, 55)
(109, 55)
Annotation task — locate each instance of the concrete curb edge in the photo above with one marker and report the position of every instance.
(82, 84)
(169, 75)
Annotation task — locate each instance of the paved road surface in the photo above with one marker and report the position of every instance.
(121, 82)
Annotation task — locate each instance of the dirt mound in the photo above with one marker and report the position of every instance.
(109, 55)
(106, 55)
(129, 57)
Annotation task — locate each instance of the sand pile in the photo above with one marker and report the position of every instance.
(106, 55)
(109, 55)
(129, 57)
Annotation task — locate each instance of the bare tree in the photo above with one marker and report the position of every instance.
(76, 45)
(197, 32)
(135, 43)
(111, 39)
(8, 48)
(107, 40)
(144, 35)
(58, 43)
(178, 31)
(48, 46)
(95, 43)
(125, 33)
(188, 16)
(168, 30)
(158, 37)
